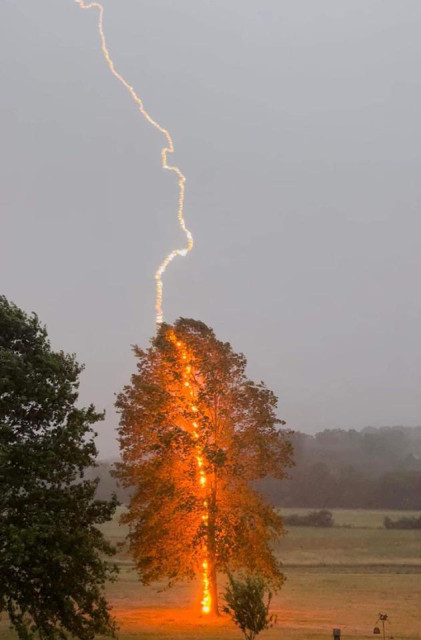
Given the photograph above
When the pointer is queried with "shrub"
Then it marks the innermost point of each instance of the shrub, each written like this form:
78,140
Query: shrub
246,605
322,518
402,523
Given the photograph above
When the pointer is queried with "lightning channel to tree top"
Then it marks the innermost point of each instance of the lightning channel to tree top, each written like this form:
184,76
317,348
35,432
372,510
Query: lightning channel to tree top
168,148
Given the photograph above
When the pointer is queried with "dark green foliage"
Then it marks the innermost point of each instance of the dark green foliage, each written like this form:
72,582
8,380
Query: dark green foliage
321,518
245,599
51,552
402,523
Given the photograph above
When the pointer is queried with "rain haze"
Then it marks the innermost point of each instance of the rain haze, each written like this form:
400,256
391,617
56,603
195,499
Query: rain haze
297,126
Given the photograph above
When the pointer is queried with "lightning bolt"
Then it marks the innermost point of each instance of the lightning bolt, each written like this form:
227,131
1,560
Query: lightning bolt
168,148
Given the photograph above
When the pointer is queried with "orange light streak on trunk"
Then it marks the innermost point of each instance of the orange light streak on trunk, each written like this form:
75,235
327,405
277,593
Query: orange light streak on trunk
206,601
169,148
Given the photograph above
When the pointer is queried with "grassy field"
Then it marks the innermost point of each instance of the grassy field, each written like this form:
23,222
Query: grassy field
340,577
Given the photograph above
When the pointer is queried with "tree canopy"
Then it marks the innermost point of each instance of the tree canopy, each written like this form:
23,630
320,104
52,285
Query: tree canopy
195,434
51,551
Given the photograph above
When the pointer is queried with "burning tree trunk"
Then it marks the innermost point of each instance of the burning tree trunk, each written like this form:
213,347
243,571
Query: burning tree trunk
213,585
212,550
195,434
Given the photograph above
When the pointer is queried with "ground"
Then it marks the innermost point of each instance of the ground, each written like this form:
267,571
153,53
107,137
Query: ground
340,577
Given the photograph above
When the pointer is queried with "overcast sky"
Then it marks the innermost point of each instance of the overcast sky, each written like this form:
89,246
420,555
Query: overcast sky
297,124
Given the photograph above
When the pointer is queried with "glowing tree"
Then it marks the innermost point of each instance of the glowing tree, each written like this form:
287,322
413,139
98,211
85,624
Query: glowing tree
195,434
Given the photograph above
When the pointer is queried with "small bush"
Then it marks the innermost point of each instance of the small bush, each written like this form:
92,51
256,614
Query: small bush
321,518
246,605
402,523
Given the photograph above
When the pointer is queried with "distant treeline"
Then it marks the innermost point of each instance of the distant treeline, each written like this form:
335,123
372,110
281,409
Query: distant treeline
368,469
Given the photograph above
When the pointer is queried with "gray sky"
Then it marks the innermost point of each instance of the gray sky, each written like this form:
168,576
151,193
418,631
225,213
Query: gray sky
298,127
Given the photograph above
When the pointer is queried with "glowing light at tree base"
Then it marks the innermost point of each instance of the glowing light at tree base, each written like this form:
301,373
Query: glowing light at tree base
168,148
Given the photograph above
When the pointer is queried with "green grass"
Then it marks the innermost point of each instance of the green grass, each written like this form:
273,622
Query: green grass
339,577
351,548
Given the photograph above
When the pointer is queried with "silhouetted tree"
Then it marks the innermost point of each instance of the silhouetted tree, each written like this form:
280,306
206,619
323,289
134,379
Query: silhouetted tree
52,571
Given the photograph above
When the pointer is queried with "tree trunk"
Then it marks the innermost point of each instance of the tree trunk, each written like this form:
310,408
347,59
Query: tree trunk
213,584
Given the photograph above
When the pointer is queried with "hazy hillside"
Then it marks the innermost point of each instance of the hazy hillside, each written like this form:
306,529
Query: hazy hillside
372,468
